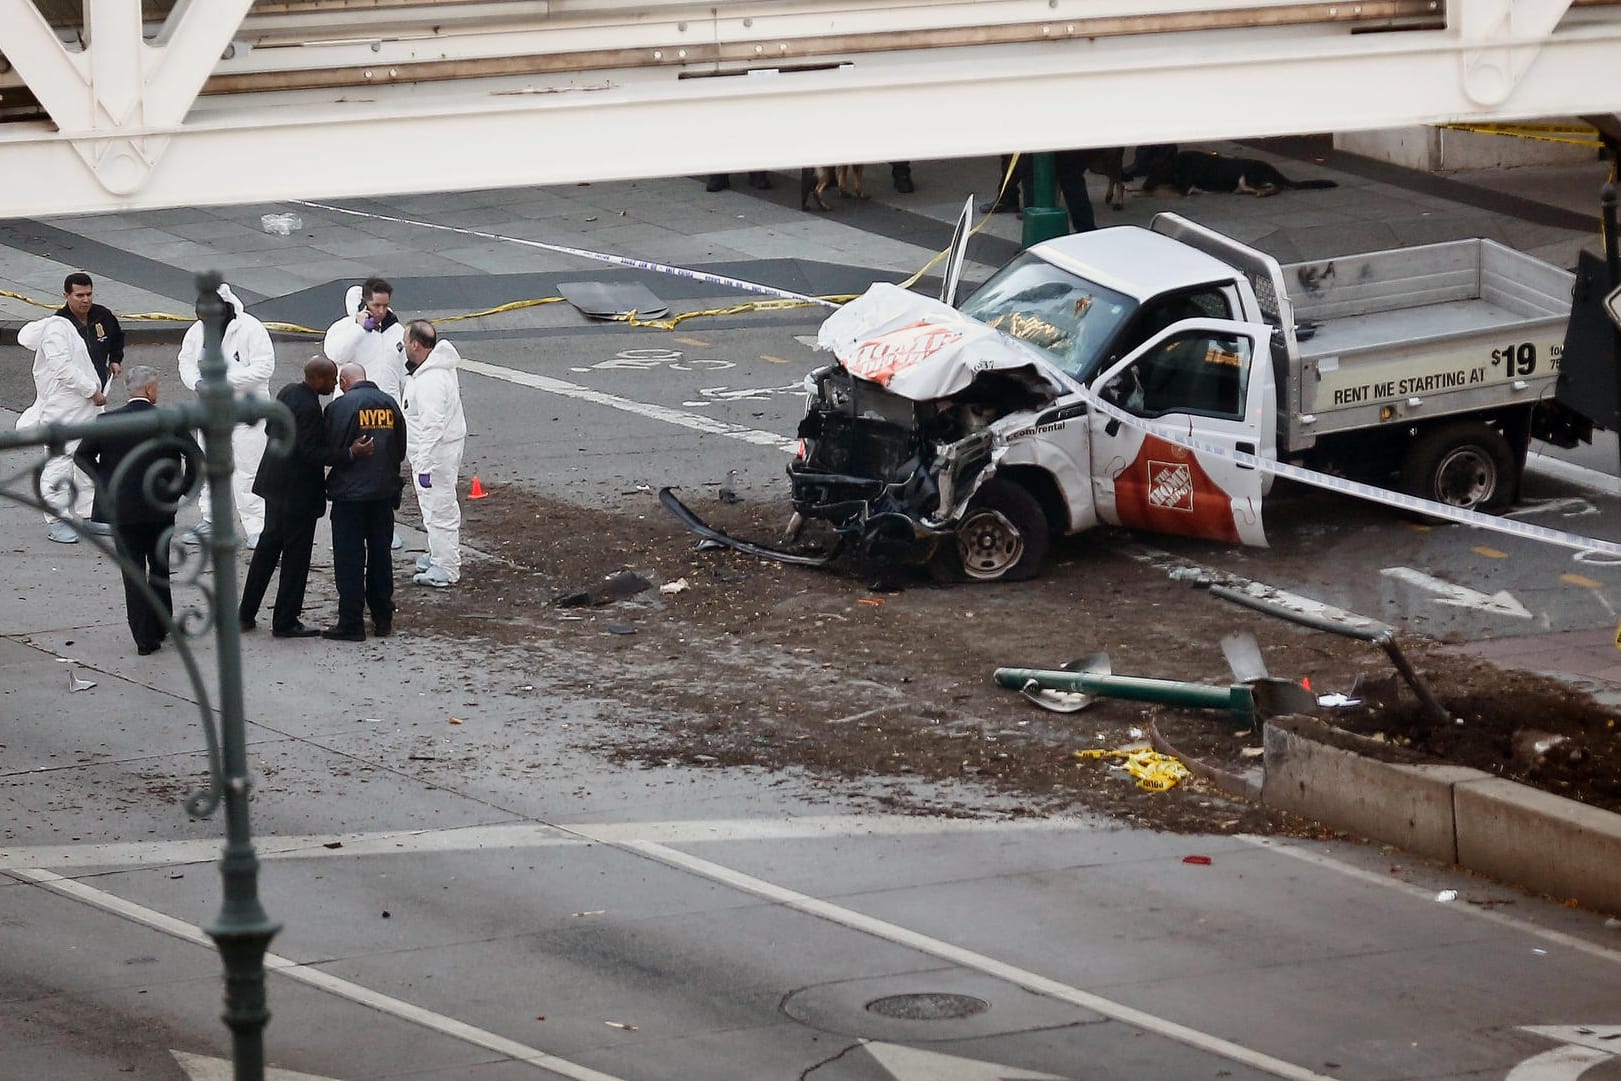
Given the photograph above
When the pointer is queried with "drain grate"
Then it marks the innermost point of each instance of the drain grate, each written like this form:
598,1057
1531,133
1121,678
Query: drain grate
928,1006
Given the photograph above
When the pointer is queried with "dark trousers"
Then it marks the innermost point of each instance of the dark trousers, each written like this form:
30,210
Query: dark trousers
287,539
1070,167
362,562
143,545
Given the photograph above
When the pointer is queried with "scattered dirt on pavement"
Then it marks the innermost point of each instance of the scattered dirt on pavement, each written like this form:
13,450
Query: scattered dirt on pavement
881,684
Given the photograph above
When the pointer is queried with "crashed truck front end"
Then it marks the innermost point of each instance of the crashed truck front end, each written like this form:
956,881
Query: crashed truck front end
901,432
884,471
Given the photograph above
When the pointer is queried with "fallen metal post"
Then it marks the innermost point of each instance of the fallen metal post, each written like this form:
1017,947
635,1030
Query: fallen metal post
1238,699
1382,637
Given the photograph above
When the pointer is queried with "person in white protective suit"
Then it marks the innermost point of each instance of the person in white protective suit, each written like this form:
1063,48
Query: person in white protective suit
67,390
372,336
435,436
250,361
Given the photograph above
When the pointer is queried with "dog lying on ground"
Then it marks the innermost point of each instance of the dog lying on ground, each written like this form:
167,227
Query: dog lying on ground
813,181
1205,170
1109,163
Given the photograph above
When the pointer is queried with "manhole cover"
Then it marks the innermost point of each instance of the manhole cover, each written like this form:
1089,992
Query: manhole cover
928,1006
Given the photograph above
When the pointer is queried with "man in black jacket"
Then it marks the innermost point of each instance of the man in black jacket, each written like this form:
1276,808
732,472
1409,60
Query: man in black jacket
294,491
96,325
142,526
364,493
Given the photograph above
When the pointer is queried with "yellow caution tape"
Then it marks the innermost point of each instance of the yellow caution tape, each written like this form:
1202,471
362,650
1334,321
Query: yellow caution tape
1545,133
1155,772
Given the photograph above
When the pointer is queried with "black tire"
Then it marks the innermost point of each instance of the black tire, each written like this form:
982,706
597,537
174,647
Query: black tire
1465,464
1002,537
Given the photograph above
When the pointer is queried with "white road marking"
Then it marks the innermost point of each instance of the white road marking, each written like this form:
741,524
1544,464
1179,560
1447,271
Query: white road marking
209,1068
1427,895
1501,603
514,835
915,1064
694,421
1606,1038
1560,1064
324,981
1030,981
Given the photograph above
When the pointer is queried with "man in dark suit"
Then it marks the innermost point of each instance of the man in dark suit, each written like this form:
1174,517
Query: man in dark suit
142,525
294,491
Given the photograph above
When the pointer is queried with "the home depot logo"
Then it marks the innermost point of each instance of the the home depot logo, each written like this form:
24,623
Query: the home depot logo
1170,485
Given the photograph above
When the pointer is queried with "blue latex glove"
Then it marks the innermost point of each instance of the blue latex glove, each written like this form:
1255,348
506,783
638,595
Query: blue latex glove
424,480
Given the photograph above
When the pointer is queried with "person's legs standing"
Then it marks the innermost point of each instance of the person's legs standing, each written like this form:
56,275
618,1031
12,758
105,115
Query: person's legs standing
349,564
248,447
68,490
297,541
1070,165
263,563
137,544
442,513
379,525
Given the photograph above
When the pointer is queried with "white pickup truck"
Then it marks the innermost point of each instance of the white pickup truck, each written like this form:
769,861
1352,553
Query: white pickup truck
963,437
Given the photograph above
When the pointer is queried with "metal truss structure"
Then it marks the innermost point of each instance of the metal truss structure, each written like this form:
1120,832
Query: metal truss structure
120,104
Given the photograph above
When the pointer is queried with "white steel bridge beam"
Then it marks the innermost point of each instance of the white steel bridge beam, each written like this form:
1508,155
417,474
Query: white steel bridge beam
591,90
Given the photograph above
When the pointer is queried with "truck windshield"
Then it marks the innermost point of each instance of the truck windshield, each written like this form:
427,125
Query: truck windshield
1068,316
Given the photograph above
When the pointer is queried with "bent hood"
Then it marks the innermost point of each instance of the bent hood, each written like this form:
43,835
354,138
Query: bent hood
351,300
922,349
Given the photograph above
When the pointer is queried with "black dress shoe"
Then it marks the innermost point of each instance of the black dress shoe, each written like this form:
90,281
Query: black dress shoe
297,630
148,648
904,185
343,634
246,624
382,628
1004,207
760,180
718,182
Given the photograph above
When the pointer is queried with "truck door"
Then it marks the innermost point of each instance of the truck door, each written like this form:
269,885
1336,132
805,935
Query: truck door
1205,378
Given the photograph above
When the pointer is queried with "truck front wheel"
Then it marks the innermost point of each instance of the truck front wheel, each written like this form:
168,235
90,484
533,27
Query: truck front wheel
1003,536
1465,464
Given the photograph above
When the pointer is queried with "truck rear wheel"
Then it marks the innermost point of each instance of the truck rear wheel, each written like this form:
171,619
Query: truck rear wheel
1466,464
1003,536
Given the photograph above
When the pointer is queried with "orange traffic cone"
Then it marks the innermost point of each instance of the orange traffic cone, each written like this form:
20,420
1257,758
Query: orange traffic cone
477,490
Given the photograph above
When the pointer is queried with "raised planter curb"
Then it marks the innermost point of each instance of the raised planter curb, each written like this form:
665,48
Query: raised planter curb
1509,831
1554,845
1349,788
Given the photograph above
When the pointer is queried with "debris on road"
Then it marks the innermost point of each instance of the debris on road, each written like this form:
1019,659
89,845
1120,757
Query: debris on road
615,587
77,684
1202,861
1155,772
677,586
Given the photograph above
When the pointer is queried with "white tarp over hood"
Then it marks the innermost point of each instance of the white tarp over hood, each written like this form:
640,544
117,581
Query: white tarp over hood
922,349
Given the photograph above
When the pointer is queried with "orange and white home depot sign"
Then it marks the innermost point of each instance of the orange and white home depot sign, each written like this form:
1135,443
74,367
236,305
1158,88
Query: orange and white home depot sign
881,359
1166,490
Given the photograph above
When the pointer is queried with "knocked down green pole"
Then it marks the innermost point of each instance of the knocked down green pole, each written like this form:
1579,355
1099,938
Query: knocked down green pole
1238,699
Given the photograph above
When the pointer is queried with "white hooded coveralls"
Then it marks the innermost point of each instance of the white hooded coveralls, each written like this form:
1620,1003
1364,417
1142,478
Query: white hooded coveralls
250,361
65,386
435,436
380,352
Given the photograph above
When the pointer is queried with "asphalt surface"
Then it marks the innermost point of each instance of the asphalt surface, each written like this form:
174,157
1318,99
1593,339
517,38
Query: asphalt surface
467,891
